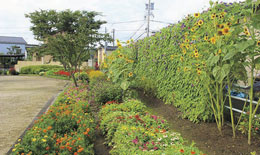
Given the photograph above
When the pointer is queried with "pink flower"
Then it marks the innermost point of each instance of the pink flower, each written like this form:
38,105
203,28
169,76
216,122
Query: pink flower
135,141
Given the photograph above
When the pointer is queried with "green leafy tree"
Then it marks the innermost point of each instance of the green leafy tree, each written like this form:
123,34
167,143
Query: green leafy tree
68,36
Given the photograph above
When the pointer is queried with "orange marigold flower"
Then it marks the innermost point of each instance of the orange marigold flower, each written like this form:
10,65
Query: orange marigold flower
80,150
75,153
49,128
44,130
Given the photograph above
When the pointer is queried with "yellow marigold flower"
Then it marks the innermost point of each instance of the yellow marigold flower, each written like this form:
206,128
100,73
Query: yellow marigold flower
44,140
19,140
34,139
200,22
45,136
213,40
14,150
197,15
258,43
130,74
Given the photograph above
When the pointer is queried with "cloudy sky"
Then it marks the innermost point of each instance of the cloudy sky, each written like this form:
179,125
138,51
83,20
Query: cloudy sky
125,16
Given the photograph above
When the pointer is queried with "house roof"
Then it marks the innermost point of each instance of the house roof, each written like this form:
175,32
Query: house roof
109,48
12,40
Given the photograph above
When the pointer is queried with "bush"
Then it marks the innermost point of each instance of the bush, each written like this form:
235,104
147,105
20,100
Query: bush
95,74
39,68
82,76
104,91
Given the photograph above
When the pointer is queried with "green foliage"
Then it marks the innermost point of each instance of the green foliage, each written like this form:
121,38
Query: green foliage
182,61
104,91
69,36
83,76
66,128
130,129
39,68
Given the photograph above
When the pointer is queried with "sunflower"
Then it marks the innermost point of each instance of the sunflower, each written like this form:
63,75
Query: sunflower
196,55
196,51
182,58
200,22
220,33
198,71
120,55
206,38
130,74
229,24
188,46
219,51
247,33
258,43
197,15
213,16
245,29
213,40
128,41
184,51
225,30
187,41
192,29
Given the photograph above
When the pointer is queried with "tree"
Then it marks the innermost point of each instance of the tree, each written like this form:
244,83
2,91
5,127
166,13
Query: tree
68,36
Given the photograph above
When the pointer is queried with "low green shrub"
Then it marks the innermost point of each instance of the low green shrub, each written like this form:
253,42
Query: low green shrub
38,68
104,91
83,76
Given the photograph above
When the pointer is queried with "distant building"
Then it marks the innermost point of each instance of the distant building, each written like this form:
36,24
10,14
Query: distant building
101,53
9,43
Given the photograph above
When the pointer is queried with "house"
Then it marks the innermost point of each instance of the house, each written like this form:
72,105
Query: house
12,46
102,52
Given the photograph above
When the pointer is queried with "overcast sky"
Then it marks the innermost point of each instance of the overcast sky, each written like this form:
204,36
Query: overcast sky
14,23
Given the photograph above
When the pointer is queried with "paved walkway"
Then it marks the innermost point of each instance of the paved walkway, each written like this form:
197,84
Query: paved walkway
21,99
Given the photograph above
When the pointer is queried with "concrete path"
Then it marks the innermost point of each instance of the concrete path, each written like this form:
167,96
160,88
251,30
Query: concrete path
21,99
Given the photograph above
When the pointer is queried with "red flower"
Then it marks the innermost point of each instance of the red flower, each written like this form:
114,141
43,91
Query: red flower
181,150
192,152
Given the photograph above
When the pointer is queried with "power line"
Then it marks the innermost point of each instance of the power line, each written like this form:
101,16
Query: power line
161,22
140,36
137,30
133,21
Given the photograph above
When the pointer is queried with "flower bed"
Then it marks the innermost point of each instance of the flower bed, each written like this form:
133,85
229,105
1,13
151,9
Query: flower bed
130,129
67,128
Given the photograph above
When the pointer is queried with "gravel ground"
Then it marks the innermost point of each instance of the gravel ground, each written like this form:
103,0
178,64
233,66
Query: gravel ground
21,99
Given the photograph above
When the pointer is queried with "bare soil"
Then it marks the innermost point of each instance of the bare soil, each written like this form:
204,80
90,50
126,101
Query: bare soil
205,135
21,99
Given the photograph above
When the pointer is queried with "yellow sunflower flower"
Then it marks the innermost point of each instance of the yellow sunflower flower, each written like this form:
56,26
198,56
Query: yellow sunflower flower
130,74
197,15
200,22
226,30
213,40
258,43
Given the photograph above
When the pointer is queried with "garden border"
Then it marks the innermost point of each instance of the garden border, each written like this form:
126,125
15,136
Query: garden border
43,110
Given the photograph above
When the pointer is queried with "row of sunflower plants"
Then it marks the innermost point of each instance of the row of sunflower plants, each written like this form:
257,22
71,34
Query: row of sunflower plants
189,64
68,127
130,129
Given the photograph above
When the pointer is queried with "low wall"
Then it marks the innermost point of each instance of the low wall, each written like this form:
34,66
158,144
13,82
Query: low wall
21,64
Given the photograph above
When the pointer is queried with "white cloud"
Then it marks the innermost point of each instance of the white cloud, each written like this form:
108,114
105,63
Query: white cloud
14,23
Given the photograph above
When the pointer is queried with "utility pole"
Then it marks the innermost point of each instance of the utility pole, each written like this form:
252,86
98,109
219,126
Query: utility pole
113,31
105,42
148,22
149,8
